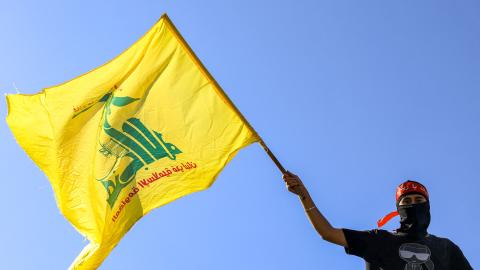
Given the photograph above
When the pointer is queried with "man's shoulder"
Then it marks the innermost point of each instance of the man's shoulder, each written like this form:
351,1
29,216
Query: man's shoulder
378,232
440,240
433,236
394,233
385,233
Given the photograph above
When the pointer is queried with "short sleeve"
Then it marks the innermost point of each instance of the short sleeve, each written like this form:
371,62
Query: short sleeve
369,245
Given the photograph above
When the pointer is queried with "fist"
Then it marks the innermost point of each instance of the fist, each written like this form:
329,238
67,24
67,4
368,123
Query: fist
294,184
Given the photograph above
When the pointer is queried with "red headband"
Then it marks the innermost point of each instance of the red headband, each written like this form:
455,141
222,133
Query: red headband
411,187
405,188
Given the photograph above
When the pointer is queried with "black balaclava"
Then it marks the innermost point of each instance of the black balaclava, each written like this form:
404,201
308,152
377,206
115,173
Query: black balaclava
414,219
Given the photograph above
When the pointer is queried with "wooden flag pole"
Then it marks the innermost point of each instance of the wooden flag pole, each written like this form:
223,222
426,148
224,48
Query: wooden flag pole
272,156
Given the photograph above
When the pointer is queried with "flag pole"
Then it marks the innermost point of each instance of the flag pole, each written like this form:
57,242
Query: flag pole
221,92
272,156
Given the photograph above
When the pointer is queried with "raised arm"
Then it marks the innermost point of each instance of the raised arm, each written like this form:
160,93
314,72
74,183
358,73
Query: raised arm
319,222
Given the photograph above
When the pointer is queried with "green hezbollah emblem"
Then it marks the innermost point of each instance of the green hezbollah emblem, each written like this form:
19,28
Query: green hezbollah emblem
131,148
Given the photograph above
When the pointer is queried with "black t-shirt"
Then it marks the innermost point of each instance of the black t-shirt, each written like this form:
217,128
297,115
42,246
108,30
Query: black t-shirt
391,251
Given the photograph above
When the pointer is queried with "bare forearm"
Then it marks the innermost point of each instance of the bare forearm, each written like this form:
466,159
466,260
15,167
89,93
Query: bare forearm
320,223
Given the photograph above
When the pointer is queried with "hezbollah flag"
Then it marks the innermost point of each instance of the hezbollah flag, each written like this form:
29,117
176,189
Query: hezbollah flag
146,128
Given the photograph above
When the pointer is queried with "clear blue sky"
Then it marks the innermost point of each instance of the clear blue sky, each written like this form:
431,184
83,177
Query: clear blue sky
354,96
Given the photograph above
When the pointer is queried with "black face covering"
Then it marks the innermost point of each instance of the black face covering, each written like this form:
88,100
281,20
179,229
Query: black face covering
414,219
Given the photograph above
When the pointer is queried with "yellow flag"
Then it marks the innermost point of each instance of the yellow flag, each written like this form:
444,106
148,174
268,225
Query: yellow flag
144,129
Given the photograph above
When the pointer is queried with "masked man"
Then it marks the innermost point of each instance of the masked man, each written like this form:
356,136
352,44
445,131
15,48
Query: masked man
410,247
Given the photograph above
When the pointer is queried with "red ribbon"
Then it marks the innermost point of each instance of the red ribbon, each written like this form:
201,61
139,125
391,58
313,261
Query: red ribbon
386,218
